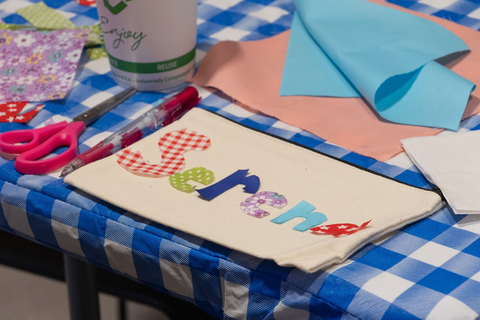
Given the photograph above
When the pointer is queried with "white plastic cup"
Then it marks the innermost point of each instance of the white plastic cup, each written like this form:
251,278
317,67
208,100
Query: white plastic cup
150,43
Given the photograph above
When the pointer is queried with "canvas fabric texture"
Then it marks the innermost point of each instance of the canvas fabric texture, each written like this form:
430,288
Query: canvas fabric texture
344,193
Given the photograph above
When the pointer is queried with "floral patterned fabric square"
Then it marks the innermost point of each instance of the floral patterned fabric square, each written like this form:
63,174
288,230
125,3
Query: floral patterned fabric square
38,65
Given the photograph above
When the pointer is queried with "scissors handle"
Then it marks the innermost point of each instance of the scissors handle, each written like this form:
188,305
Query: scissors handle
28,163
19,141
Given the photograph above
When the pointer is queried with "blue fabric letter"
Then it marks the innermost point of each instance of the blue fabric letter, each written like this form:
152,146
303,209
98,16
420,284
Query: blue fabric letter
302,210
252,183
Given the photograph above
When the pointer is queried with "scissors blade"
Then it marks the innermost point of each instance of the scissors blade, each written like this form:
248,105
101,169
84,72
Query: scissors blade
99,110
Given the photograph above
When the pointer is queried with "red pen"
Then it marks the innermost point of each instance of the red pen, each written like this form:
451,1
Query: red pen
159,116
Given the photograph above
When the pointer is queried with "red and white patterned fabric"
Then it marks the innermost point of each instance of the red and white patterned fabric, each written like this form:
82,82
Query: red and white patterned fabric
25,117
9,112
339,229
172,146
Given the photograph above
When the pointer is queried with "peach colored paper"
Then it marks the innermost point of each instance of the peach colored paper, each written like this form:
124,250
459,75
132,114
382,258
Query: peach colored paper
251,72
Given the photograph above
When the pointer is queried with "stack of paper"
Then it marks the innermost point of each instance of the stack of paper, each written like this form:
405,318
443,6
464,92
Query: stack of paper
452,163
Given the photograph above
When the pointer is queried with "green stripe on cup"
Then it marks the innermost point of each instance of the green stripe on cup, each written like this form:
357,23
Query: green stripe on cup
152,67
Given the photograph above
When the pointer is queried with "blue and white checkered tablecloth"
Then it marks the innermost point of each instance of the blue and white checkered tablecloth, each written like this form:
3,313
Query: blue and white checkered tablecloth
428,270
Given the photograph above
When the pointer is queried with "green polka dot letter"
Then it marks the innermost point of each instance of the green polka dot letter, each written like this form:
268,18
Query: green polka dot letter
200,174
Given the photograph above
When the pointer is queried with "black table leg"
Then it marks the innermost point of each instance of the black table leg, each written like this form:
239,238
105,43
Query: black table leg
82,289
122,309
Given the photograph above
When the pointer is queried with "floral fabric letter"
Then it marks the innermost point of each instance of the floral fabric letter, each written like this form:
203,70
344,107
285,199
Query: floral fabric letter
251,205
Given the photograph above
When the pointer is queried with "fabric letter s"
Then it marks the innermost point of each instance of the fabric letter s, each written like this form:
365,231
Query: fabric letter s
172,146
302,210
252,183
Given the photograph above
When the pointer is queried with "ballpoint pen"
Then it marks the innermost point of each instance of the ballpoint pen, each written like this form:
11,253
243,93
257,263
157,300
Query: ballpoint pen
161,115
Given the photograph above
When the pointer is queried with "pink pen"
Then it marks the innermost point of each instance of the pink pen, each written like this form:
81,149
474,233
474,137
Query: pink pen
159,116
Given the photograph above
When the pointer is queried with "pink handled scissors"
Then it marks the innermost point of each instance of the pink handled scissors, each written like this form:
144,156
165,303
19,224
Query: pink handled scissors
32,145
